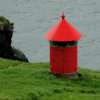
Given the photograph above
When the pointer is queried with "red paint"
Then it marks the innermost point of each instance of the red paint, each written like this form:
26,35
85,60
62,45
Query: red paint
63,31
63,60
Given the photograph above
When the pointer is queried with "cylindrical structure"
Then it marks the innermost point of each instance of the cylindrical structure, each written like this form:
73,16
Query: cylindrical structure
63,57
63,39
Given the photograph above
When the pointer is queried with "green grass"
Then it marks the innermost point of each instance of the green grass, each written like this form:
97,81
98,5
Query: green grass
27,81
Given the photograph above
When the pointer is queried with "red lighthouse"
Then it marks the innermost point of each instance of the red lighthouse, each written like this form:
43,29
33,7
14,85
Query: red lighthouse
63,47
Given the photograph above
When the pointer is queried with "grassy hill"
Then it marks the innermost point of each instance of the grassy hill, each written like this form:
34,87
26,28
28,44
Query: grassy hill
27,81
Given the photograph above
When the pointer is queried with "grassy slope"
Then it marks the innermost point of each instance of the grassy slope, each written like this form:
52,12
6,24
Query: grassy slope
26,81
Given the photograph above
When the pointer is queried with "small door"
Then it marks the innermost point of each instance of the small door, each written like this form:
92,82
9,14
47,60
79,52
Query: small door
57,60
70,60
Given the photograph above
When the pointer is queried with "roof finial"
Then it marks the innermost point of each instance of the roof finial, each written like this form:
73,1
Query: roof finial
63,16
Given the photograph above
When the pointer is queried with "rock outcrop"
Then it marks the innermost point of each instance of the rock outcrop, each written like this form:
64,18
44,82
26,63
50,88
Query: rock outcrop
6,50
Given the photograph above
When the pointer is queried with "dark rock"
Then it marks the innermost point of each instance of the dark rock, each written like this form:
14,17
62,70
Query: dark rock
18,54
6,50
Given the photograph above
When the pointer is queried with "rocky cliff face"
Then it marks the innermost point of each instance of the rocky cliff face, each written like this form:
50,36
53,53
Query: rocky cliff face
6,50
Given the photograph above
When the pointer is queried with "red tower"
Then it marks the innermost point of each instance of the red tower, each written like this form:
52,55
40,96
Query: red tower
63,47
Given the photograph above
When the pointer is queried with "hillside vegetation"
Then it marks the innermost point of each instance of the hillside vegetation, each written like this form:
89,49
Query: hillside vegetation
32,81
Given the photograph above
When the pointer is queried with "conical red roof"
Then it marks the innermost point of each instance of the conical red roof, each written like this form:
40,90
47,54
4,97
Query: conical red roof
63,31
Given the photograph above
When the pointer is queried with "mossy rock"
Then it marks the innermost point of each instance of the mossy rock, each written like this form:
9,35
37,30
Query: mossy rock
6,50
5,25
2,18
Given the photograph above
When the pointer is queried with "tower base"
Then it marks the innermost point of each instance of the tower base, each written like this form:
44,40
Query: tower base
69,76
